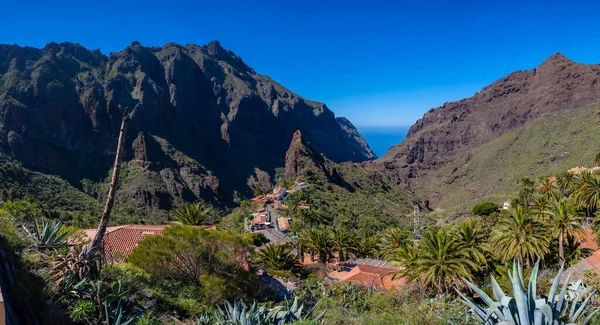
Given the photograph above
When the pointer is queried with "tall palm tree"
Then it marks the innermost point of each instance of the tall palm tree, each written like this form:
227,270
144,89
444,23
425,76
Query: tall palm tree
276,257
539,205
547,189
343,242
587,193
472,236
318,242
521,237
194,214
565,182
442,261
392,239
565,221
526,191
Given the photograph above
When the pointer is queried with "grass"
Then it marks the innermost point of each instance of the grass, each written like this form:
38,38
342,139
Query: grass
545,146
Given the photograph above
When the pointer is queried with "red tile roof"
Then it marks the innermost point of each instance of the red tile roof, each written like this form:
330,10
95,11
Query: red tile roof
373,276
589,240
120,241
259,219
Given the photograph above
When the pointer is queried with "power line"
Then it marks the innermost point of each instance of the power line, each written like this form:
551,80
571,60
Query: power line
537,24
498,46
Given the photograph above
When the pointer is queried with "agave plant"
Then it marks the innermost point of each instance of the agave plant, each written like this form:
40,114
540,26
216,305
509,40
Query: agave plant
524,308
240,314
281,315
47,234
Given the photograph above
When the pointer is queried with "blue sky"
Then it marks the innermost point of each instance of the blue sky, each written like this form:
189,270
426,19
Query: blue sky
379,63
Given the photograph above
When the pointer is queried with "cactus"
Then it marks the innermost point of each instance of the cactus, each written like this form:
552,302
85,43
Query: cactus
523,308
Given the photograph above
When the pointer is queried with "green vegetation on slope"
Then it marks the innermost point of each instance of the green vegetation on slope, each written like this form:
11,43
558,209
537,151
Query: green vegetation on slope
545,146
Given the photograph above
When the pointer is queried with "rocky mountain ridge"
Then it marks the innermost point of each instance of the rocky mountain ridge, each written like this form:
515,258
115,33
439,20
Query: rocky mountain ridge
439,147
202,121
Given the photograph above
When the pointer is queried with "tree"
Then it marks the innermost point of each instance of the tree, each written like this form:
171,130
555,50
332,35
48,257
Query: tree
472,236
368,246
565,221
565,182
526,191
484,209
194,214
392,239
343,242
442,261
318,242
547,189
276,257
596,160
89,250
213,259
587,193
520,237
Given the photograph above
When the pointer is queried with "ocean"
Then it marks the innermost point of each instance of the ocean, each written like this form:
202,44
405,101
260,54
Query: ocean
380,139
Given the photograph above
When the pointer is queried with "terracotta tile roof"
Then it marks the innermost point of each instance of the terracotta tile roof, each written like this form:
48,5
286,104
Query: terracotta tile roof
120,241
259,219
373,276
589,240
283,223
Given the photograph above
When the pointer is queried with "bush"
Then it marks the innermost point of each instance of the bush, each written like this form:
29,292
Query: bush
484,209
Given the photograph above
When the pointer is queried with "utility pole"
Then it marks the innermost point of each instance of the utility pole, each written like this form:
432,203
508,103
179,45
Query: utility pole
416,225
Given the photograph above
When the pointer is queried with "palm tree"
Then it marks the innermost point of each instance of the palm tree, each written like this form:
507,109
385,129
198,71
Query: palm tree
472,236
565,221
392,239
521,237
539,205
587,193
318,242
276,257
343,242
565,182
367,246
194,214
597,159
526,191
547,189
442,261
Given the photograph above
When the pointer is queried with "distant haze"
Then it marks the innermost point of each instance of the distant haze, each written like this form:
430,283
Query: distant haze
380,139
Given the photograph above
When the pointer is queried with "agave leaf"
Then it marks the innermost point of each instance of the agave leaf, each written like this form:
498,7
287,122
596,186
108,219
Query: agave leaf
555,284
476,308
561,299
582,306
531,292
546,310
498,293
589,317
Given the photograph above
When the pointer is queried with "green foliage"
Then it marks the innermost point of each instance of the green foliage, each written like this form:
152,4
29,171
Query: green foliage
84,310
194,214
524,307
276,257
521,237
47,234
22,210
197,256
484,208
442,261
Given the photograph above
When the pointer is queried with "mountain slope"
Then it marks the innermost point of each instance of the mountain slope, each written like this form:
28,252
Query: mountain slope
464,151
201,120
349,195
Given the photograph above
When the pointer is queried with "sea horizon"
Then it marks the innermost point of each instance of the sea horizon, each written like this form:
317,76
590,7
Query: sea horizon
382,138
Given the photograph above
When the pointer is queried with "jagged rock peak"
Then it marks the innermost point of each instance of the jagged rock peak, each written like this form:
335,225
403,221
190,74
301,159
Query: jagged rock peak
214,48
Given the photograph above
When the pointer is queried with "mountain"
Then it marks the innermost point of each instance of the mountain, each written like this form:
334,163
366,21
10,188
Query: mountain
529,123
202,121
350,195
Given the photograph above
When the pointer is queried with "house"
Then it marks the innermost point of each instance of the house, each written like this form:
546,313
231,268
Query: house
259,219
375,277
506,205
283,223
279,193
120,241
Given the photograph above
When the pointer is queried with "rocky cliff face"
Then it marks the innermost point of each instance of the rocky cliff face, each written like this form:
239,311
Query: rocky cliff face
201,119
447,136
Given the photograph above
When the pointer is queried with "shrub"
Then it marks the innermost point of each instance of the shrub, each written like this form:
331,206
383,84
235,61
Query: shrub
485,208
